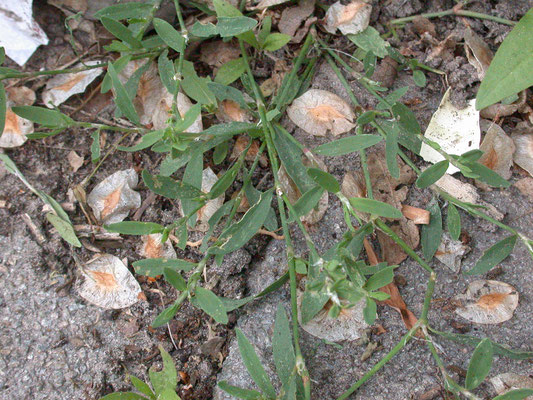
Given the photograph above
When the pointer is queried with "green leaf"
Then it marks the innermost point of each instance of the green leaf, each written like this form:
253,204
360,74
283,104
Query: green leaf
229,129
282,348
147,140
122,99
312,303
375,207
211,304
325,180
392,98
2,55
347,145
168,394
225,9
406,119
195,87
167,377
125,11
233,26
170,36
510,69
167,72
241,232
169,188
3,107
135,228
308,201
432,174
224,92
431,234
370,311
156,266
517,394
43,116
166,315
391,152
230,71
480,364
487,175
366,118
220,186
370,40
123,396
419,78
276,41
121,32
266,27
95,146
406,139
240,393
175,279
454,222
64,228
253,365
189,118
193,176
493,256
142,387
220,152
203,30
380,279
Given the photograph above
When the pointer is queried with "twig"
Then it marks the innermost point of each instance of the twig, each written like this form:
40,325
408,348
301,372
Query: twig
36,232
453,11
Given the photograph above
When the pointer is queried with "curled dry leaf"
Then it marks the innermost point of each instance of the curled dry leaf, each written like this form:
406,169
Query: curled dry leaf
208,180
293,193
61,87
456,131
267,3
451,252
74,160
318,111
349,324
240,145
229,111
523,155
293,17
113,198
418,215
350,19
443,50
106,282
466,193
525,185
217,53
500,110
477,52
389,190
153,248
497,148
16,128
488,302
504,383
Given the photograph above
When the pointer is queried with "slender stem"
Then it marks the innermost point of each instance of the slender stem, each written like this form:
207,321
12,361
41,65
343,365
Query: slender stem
462,13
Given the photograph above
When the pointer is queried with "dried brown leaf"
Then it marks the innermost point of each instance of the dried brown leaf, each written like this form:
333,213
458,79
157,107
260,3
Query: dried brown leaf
349,19
153,248
293,17
451,252
74,160
498,149
477,52
506,382
523,155
16,128
525,185
415,214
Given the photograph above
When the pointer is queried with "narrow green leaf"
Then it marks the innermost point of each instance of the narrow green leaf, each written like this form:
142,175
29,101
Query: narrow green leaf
392,98
203,30
380,279
366,118
166,315
224,92
142,387
370,40
175,279
419,78
167,72
431,234
276,41
516,394
123,396
487,175
370,311
225,9
170,36
375,207
121,32
493,256
64,228
122,99
169,188
282,347
266,27
406,119
119,66
167,377
3,108
195,87
193,176
347,145
135,228
125,11
312,303
211,304
156,266
147,140
308,201
220,152
229,129
95,146
480,364
510,69
432,174
230,71
325,180
391,152
253,365
220,186
454,222
233,26
43,116
189,118
240,393
2,55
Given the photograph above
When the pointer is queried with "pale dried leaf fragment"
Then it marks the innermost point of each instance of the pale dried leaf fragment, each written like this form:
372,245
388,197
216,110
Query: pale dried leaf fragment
523,155
319,111
267,3
16,128
217,53
293,17
240,145
506,382
61,87
500,110
113,198
106,282
487,302
349,19
229,111
451,252
456,131
152,247
478,52
163,111
418,215
497,148
349,324
74,160
209,178
293,193
525,185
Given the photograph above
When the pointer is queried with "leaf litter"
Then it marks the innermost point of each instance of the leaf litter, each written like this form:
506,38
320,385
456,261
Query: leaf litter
153,247
16,128
508,381
349,19
497,148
